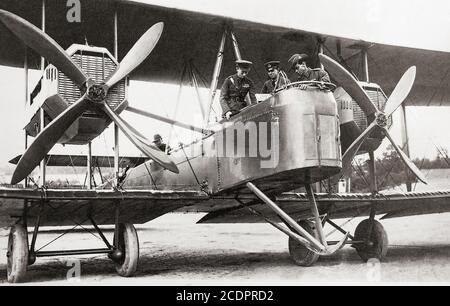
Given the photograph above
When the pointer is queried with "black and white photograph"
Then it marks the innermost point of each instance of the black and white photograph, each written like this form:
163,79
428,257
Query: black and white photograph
200,145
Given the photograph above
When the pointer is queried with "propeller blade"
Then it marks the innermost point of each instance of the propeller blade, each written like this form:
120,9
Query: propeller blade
44,45
349,83
46,139
408,162
140,141
137,54
401,91
354,148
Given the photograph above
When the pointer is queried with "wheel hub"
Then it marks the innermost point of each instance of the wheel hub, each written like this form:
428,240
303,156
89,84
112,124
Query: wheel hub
117,255
369,244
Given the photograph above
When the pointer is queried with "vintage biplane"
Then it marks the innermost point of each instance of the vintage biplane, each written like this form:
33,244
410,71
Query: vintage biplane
83,90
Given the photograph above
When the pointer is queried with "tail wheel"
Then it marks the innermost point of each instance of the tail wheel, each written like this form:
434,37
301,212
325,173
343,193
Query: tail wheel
129,246
17,254
298,252
377,246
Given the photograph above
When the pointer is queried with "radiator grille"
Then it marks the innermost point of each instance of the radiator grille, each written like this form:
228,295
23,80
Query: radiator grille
378,98
97,66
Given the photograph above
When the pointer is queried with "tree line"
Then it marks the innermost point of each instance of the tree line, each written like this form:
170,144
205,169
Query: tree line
390,170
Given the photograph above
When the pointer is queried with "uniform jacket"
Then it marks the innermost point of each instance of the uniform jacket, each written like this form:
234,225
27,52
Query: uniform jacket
269,85
233,93
315,75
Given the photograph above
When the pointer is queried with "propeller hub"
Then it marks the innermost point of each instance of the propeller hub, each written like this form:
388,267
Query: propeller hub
381,119
97,93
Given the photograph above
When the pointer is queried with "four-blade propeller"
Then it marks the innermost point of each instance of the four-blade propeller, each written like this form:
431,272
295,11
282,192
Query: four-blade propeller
95,94
351,85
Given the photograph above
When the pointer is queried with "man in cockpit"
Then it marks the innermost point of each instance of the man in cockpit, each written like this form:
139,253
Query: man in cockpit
277,78
235,89
300,64
157,140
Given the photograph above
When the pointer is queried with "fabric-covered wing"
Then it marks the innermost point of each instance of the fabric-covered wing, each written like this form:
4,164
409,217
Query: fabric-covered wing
187,36
72,207
339,206
195,37
388,63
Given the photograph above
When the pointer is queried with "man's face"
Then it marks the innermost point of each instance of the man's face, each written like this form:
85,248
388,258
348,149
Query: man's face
158,141
301,68
273,73
242,72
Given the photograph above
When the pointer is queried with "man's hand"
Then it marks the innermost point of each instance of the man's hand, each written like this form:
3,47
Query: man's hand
228,115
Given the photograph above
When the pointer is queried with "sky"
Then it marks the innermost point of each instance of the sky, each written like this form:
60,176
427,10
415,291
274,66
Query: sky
408,23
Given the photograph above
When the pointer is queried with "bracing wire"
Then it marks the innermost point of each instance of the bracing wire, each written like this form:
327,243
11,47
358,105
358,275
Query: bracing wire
180,89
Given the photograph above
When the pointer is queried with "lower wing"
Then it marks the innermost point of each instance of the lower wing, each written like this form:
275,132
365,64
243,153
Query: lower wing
338,206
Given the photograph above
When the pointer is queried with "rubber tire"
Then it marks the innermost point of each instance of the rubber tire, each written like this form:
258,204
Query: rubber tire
299,253
129,245
17,254
378,237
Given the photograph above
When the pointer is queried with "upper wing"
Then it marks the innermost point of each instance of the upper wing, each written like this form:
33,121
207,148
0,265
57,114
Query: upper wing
194,36
388,63
340,206
72,207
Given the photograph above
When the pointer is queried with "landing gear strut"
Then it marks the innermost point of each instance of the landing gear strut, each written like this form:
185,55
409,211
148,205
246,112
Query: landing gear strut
306,242
370,231
124,252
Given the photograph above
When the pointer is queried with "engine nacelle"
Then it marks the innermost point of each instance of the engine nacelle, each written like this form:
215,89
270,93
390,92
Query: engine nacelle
55,92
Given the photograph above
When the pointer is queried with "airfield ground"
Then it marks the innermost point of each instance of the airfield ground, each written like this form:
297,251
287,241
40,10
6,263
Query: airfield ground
176,251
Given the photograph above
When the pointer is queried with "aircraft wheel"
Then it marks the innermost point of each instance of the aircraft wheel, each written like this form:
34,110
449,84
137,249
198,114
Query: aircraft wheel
378,244
299,253
128,244
17,254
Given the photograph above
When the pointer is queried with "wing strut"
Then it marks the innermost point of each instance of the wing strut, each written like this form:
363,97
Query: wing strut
215,77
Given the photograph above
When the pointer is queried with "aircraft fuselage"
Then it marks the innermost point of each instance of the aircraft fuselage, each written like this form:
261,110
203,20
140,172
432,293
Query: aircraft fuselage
289,140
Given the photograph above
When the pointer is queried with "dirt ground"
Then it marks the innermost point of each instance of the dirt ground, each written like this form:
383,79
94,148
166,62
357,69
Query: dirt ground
176,251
